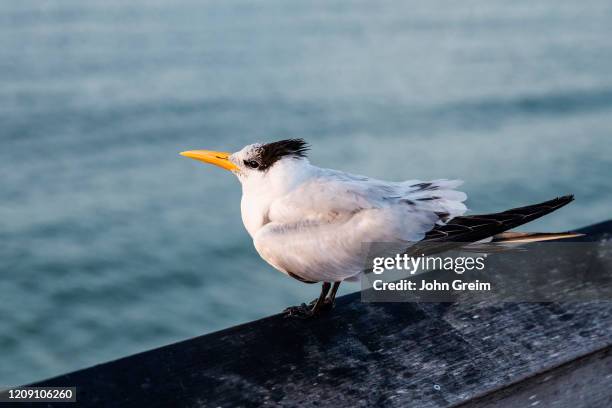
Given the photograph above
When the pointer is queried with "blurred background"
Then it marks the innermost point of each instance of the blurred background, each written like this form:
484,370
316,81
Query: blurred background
111,243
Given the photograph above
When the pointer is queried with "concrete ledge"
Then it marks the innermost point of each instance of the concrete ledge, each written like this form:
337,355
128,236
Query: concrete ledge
393,354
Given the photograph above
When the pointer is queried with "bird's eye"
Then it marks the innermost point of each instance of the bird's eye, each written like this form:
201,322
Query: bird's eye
251,163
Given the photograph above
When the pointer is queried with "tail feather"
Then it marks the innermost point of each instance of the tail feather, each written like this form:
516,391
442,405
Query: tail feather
513,241
511,237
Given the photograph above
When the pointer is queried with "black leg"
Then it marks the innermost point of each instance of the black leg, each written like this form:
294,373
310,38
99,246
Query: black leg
305,311
324,290
332,295
329,302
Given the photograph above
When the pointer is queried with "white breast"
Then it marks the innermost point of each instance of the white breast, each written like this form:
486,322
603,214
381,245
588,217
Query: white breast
253,212
259,191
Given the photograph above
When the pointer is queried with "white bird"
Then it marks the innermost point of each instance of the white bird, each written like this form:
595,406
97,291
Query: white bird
311,223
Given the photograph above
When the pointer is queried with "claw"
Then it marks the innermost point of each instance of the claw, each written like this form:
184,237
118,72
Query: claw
322,304
302,311
307,311
326,306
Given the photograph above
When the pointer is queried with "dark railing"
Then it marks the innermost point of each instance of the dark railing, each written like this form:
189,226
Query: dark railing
377,354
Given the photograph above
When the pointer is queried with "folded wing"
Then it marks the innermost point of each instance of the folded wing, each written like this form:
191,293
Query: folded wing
317,232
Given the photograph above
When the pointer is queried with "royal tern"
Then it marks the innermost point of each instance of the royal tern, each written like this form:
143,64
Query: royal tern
311,223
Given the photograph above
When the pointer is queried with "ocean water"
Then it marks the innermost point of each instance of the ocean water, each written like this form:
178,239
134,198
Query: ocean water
111,243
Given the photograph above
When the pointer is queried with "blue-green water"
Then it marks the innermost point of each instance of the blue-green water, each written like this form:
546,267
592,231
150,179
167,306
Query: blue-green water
111,243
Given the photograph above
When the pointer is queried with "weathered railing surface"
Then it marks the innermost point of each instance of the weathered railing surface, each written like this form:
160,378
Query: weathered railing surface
386,354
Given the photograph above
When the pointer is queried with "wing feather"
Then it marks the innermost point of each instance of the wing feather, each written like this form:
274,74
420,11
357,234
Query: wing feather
318,230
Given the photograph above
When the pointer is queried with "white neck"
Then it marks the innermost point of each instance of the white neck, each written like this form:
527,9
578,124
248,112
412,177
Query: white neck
260,189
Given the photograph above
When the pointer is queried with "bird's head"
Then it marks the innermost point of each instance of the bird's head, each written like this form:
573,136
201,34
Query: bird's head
255,162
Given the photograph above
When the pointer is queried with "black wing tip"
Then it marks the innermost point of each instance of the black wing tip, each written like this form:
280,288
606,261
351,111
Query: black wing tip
563,200
551,205
476,227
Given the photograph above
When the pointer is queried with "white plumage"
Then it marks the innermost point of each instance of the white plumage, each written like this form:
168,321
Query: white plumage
313,222
316,224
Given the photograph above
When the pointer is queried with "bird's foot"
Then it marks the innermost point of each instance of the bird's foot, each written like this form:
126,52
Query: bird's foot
302,311
306,311
326,306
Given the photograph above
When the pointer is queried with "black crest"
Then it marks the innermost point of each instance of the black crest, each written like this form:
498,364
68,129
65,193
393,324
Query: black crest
270,153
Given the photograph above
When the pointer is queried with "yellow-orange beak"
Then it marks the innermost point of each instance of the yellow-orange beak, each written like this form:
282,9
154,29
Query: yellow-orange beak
220,159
